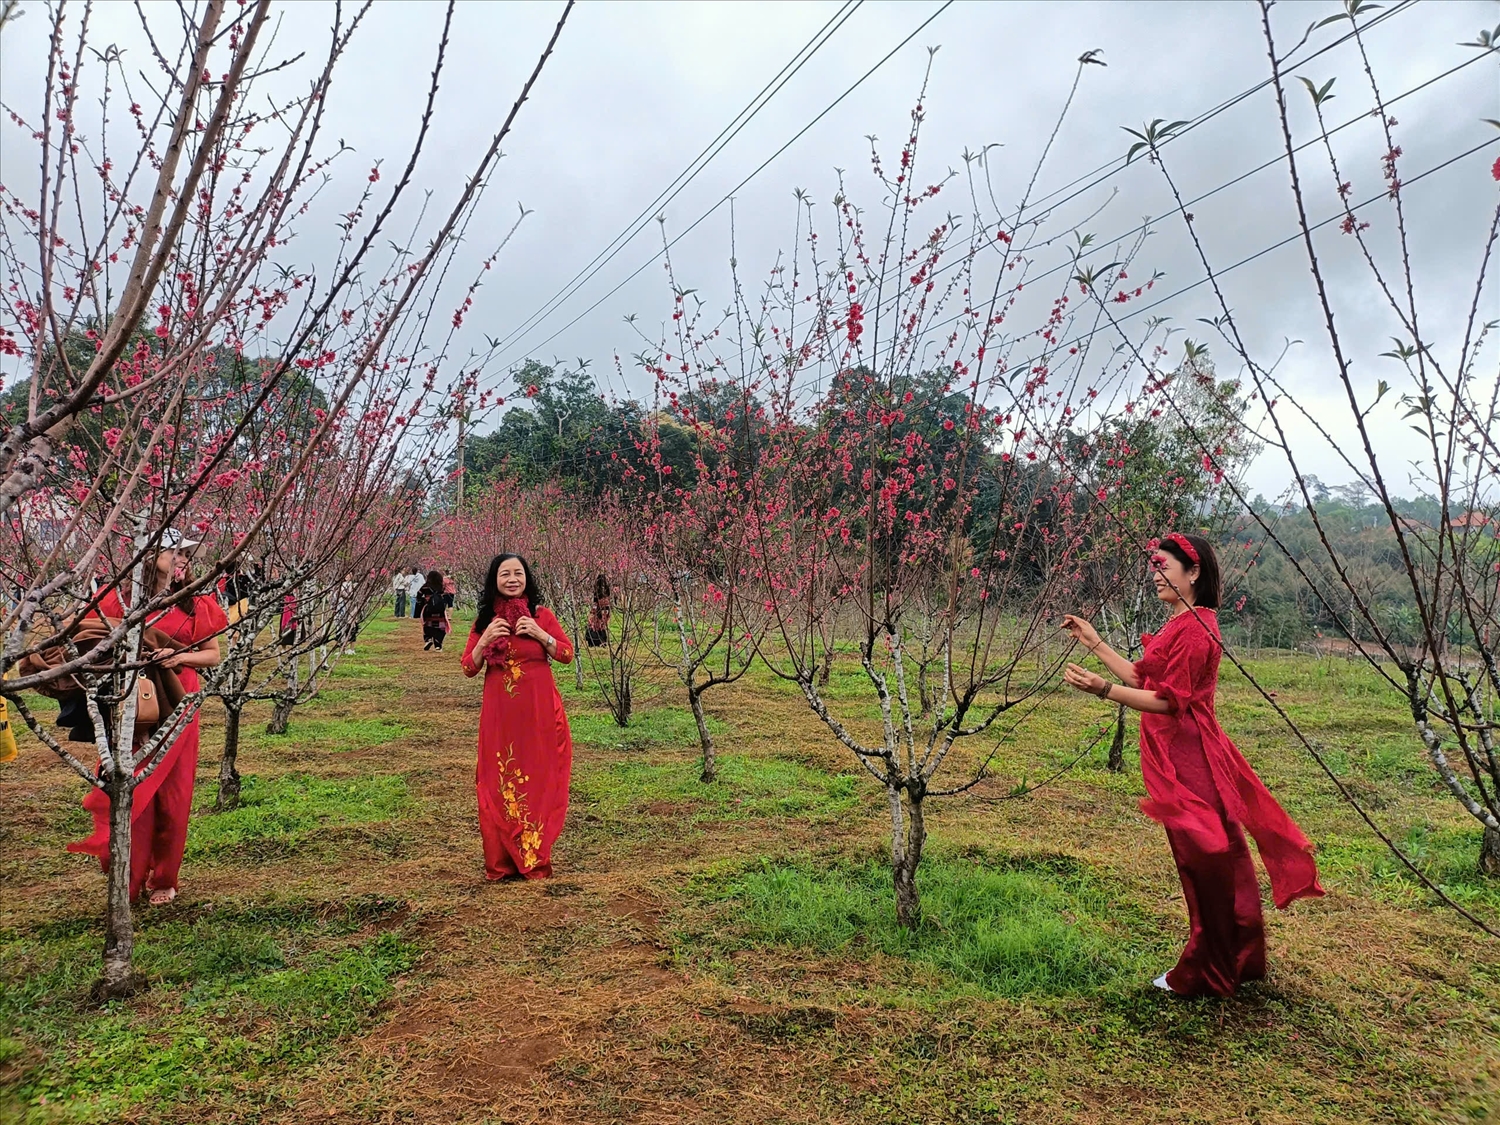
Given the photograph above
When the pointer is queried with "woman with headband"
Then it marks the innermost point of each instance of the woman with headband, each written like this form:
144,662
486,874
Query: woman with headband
1199,786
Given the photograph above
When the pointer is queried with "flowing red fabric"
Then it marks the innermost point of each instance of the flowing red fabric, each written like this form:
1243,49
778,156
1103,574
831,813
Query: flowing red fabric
1202,790
163,802
525,750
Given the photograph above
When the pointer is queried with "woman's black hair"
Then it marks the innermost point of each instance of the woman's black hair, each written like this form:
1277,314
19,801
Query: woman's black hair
1206,589
491,591
601,588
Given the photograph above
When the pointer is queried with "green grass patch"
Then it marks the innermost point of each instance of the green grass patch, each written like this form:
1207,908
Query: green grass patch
660,726
279,816
236,995
1448,856
338,736
382,623
746,787
1011,926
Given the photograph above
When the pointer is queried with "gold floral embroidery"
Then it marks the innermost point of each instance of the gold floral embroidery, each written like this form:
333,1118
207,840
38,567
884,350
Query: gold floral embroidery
514,804
509,666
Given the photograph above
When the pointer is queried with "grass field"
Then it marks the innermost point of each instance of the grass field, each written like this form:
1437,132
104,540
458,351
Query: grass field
728,952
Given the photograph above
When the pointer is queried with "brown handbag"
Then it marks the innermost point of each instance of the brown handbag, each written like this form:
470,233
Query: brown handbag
147,702
161,684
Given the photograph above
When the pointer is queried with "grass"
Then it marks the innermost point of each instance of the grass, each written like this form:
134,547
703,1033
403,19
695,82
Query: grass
727,953
334,735
283,815
747,787
238,995
1007,926
656,726
1445,854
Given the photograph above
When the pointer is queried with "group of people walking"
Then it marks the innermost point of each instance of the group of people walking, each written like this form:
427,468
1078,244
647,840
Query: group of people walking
1199,786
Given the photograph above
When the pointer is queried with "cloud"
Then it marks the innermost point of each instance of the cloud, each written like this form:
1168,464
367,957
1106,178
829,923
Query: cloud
636,91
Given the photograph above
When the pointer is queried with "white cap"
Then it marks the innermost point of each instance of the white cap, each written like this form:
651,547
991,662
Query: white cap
174,540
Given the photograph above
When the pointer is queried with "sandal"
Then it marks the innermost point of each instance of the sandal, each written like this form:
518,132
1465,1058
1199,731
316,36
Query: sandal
162,896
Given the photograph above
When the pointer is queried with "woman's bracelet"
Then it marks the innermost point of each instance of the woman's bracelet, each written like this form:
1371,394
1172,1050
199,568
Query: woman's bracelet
1103,693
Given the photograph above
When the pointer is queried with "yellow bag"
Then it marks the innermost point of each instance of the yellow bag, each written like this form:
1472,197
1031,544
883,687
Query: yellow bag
8,749
237,611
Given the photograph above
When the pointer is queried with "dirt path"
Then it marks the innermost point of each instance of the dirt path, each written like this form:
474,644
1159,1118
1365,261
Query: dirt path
523,983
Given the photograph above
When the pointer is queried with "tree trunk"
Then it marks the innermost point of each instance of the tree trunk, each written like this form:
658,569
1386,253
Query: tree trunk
578,631
710,762
825,670
619,702
229,776
119,977
1489,852
281,715
1117,747
908,834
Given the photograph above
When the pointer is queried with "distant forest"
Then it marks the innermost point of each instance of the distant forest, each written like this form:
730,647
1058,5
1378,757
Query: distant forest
566,432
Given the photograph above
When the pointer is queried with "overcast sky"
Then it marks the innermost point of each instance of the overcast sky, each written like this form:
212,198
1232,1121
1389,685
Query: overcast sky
635,91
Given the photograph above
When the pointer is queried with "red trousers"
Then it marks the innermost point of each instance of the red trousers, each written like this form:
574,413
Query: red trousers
1226,928
158,819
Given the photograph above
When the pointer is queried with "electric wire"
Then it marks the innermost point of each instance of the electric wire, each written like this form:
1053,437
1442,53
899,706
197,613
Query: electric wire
760,168
1090,180
690,172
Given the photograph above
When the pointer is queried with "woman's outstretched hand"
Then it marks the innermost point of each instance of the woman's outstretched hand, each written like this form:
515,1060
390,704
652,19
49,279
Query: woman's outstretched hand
1081,631
1079,677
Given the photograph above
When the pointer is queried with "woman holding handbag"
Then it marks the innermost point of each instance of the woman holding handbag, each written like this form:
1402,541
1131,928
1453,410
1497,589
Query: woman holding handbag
525,747
163,801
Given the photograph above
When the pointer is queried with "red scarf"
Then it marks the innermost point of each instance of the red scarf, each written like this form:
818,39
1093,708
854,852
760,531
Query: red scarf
509,610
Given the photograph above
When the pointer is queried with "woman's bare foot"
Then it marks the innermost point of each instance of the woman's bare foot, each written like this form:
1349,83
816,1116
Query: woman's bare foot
162,896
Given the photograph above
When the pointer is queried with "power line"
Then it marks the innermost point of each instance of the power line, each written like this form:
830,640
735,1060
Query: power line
1104,245
1116,165
762,167
689,173
1293,237
1089,180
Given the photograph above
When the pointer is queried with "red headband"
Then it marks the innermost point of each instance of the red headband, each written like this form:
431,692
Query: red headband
1187,548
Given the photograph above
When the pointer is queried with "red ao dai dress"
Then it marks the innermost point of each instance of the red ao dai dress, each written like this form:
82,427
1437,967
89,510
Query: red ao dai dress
525,751
163,802
1203,791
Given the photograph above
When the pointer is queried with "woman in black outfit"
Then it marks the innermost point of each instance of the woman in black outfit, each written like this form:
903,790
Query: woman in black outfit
432,608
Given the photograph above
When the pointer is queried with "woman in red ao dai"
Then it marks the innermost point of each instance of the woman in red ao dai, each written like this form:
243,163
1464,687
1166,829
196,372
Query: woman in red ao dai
164,800
1198,785
525,747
